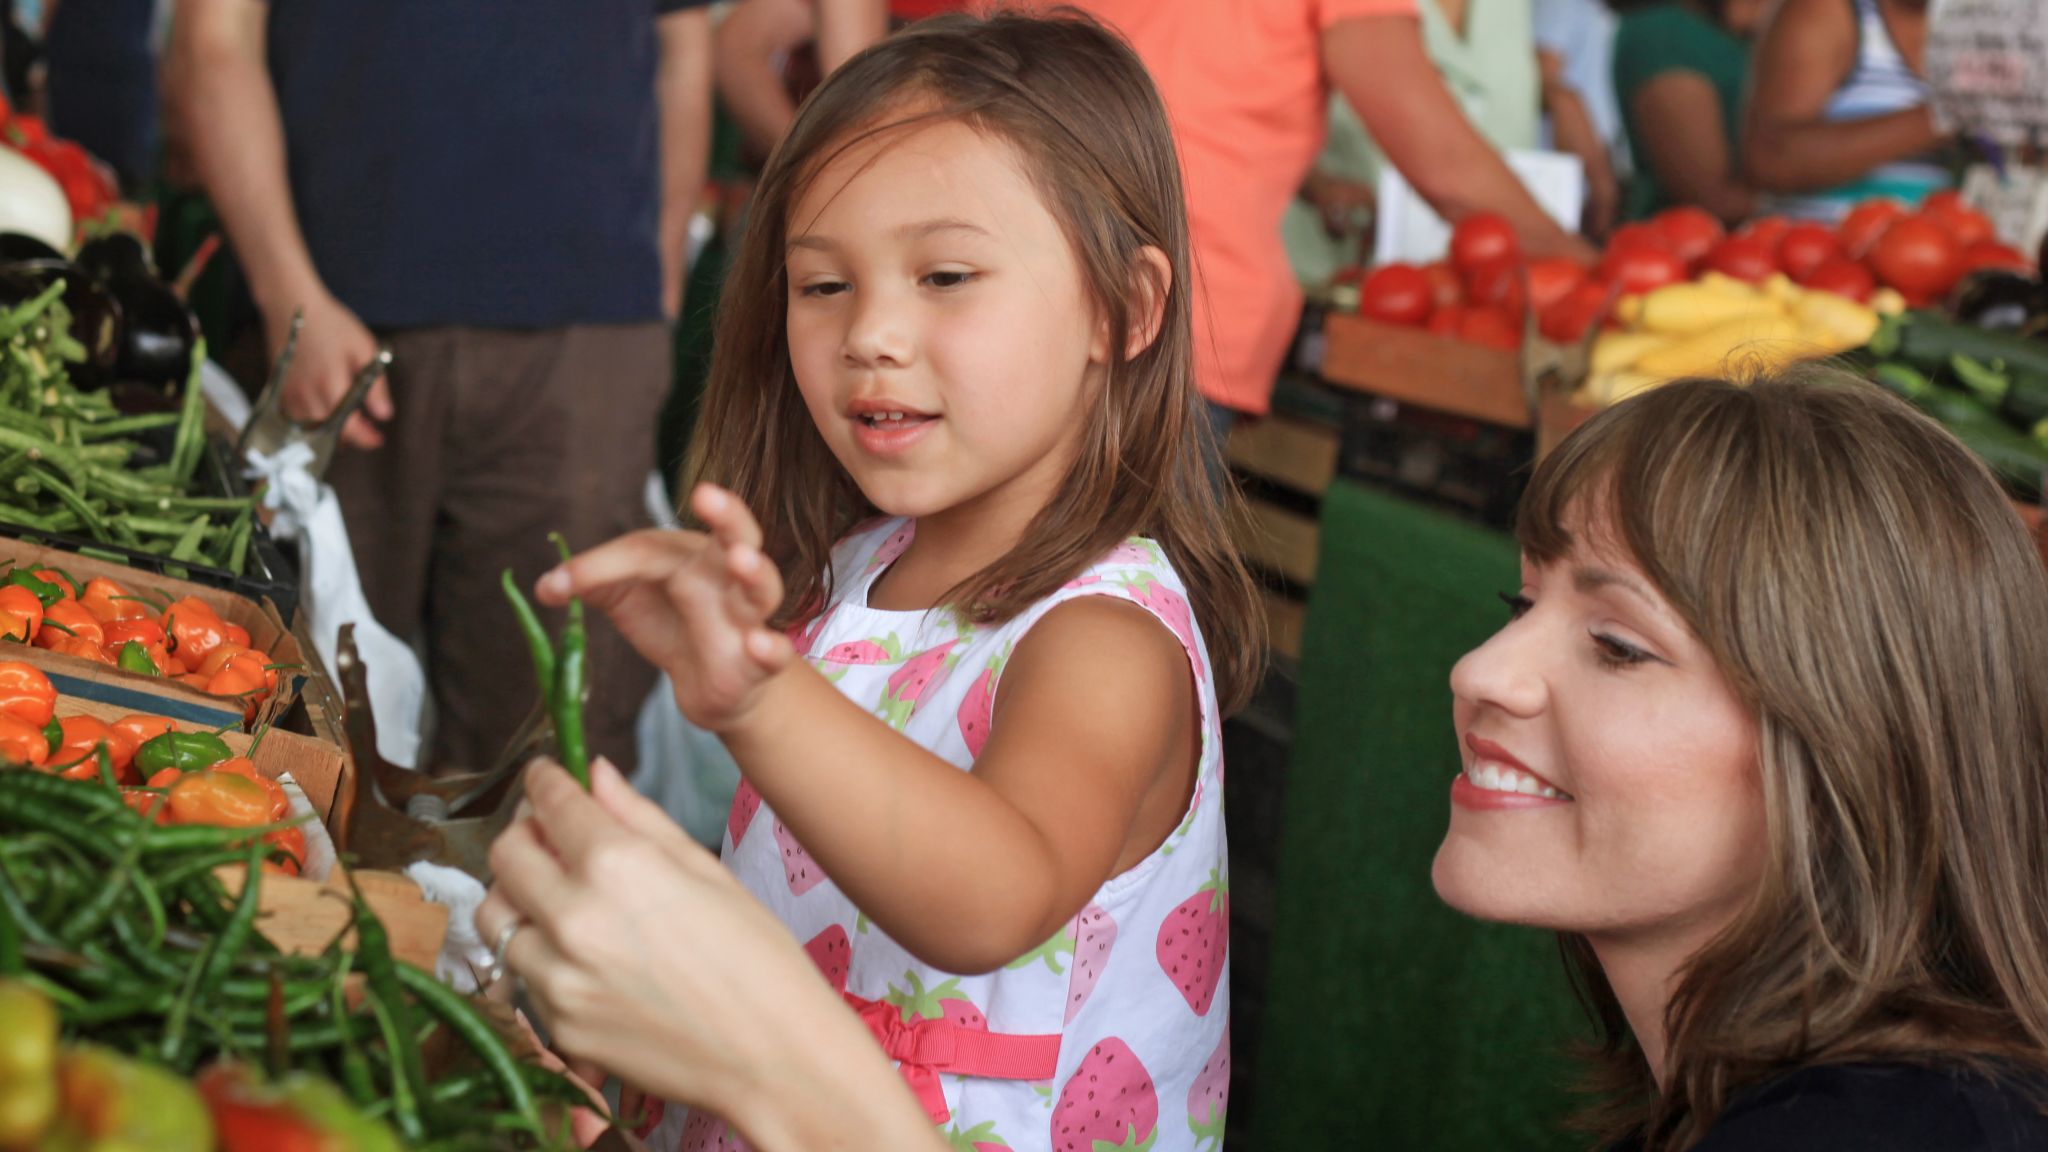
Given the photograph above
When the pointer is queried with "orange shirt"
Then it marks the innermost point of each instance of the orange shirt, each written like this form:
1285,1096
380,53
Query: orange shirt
1243,82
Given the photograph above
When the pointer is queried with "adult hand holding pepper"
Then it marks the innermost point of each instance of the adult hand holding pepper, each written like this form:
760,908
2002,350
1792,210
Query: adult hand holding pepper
644,955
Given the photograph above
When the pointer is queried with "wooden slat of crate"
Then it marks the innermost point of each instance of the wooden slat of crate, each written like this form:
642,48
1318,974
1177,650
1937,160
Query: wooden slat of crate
1416,367
1280,541
1293,453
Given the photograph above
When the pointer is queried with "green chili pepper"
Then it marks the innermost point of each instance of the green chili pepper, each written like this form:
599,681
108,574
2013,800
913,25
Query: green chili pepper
45,591
464,1020
185,751
561,673
135,658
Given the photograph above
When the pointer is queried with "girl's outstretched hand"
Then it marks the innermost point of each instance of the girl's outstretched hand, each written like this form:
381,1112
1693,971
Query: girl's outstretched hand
695,605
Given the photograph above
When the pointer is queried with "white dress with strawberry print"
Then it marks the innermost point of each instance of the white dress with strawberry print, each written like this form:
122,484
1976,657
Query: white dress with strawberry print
1114,1035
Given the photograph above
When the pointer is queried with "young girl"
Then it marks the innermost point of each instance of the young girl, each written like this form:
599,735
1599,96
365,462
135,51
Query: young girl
944,610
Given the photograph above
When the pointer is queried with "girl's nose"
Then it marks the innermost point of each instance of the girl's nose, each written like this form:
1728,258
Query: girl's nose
879,334
1505,672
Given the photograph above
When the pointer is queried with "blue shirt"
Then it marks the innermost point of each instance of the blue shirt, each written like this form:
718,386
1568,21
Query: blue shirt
487,163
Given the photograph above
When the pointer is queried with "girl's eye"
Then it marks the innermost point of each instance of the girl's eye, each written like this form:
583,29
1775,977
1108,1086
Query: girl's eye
1518,604
1616,654
823,288
947,279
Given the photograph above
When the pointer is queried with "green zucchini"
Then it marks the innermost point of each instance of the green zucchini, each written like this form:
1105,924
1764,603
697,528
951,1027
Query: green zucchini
1944,348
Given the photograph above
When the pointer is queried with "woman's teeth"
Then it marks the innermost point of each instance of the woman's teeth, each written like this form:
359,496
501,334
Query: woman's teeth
1500,778
877,419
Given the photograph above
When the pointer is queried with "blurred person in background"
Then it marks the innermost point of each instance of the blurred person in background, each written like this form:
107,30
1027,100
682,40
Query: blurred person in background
500,191
1247,84
1839,112
99,77
1485,53
754,40
1680,71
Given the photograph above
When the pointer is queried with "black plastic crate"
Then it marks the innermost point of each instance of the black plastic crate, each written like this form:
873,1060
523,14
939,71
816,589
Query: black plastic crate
272,572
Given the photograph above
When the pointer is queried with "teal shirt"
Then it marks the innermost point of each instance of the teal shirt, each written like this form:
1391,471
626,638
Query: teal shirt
1665,38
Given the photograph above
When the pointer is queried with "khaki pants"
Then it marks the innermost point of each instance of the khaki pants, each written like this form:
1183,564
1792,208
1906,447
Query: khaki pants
499,438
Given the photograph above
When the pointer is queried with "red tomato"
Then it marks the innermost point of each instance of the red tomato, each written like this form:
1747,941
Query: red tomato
1568,320
1805,247
1481,237
1918,257
1497,284
1640,268
1843,277
1552,280
1490,327
1992,254
1446,321
1638,235
1743,257
1692,232
1395,294
1964,224
1445,289
1769,229
1865,223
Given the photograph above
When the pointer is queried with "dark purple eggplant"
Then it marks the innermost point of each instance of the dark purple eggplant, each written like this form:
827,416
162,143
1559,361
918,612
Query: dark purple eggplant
16,247
96,316
1998,300
158,333
115,257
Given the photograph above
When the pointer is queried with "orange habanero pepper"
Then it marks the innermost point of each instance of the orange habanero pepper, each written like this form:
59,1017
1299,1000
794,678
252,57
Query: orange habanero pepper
280,802
219,798
63,582
99,597
82,735
25,604
235,634
142,631
26,693
195,629
22,742
68,620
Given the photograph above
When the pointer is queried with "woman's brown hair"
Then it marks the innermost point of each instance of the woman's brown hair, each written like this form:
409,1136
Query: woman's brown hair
1873,598
1077,105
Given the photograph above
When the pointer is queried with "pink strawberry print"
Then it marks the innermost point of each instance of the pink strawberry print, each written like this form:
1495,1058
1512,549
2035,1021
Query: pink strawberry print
703,1132
1210,1097
1094,936
980,1138
978,712
1136,550
802,872
1081,581
1109,1105
805,633
1194,941
908,684
832,952
893,547
1172,607
745,802
880,650
943,1002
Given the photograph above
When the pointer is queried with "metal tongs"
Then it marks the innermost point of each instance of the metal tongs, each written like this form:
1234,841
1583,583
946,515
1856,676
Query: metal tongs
269,430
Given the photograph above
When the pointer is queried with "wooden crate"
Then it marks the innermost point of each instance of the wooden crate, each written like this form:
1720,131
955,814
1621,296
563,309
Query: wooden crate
319,768
1300,457
265,627
303,916
1424,369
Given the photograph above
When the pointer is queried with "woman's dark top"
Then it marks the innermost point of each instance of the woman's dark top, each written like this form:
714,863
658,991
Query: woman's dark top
1882,1108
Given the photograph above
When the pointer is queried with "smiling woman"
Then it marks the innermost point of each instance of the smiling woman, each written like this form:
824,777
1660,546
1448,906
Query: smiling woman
1766,740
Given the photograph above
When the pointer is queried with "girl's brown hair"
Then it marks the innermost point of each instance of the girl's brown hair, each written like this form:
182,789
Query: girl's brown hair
1077,104
1873,598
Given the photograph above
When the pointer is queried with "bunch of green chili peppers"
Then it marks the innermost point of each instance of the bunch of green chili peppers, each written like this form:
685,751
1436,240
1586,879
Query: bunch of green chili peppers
124,926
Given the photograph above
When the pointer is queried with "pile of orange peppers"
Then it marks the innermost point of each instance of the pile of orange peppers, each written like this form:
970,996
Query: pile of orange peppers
100,621
228,792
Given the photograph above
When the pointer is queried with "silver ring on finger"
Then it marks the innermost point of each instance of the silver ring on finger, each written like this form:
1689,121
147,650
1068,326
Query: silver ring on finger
499,947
